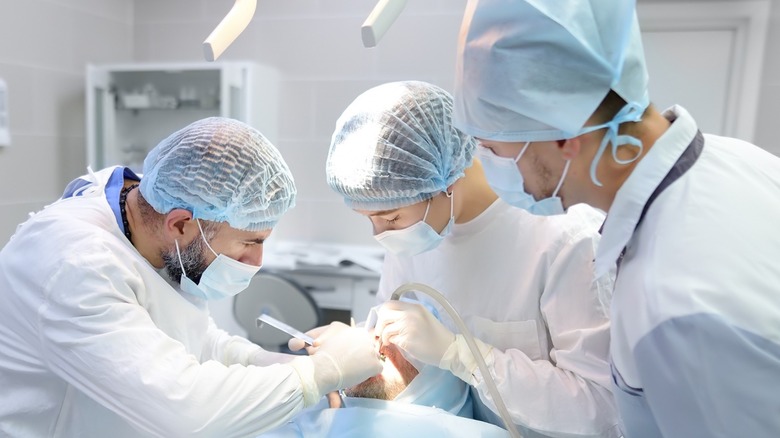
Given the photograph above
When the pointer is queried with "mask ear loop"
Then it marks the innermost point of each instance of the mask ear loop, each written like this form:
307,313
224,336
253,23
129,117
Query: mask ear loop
425,216
522,151
560,183
204,238
178,253
631,112
451,195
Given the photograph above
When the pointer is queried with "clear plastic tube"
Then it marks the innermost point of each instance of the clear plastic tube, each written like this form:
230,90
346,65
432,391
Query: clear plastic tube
491,384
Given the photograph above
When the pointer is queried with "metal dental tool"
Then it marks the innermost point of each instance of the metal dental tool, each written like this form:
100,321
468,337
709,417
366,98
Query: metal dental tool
295,333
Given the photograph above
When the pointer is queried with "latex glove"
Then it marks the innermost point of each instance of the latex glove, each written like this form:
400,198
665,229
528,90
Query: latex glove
460,360
343,356
413,329
295,344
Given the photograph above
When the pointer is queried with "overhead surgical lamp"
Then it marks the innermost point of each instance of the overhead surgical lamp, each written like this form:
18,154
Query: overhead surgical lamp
381,18
236,20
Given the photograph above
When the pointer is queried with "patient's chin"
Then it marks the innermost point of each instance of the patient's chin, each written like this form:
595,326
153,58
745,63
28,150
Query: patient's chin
376,387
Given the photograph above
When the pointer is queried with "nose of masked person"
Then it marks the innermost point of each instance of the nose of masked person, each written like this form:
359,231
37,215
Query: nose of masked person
417,238
506,180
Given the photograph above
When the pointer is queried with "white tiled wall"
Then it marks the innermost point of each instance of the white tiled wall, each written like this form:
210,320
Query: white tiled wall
44,47
315,44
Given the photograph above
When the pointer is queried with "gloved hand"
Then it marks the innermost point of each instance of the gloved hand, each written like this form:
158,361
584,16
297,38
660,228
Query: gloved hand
295,344
343,356
413,329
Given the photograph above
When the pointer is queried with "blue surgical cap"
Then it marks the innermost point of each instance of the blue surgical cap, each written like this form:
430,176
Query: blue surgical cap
395,146
536,70
221,170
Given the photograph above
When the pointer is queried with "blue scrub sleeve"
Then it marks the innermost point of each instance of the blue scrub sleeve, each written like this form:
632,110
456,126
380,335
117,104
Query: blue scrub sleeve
704,376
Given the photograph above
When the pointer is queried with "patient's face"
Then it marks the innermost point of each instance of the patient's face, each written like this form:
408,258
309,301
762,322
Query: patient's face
395,377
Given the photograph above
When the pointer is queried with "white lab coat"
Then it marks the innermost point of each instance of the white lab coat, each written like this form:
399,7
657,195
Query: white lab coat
525,285
95,343
696,307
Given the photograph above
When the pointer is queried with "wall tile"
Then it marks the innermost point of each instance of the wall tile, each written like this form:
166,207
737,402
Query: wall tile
312,48
115,10
296,110
19,80
97,40
72,159
36,34
307,164
31,159
331,99
296,224
771,73
58,102
332,221
171,42
156,11
768,109
408,47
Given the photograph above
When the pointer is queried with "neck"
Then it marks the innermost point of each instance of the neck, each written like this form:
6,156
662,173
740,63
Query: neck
146,244
472,194
612,174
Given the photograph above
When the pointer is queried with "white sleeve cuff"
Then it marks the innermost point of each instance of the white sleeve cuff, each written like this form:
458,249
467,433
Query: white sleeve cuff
304,367
459,360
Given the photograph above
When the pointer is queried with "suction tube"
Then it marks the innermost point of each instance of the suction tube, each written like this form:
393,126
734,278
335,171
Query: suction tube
491,384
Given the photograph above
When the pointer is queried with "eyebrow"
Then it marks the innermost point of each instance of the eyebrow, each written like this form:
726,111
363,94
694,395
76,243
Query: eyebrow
258,240
382,212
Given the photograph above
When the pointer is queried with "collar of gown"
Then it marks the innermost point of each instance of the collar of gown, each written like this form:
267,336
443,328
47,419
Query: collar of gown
631,198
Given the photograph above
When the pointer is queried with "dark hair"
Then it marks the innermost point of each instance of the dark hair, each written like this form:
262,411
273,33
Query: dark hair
149,216
152,219
608,109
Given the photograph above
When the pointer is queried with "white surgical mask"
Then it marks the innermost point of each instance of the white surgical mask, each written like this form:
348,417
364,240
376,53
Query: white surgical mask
505,178
223,278
417,238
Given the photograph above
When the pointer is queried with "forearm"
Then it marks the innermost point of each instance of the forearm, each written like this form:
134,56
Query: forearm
539,395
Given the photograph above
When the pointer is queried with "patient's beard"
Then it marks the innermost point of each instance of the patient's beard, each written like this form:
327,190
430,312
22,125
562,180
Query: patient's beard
377,387
395,377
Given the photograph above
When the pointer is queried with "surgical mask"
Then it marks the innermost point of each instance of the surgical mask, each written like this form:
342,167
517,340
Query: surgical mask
223,278
417,238
505,178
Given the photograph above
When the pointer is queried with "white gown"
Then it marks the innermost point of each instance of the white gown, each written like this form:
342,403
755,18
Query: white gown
696,309
525,285
95,343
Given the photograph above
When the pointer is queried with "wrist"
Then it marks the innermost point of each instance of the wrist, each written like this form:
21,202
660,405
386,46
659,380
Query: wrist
305,369
459,359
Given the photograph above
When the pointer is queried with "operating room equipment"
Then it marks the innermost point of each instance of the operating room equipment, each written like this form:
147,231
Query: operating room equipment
491,384
379,21
236,20
273,322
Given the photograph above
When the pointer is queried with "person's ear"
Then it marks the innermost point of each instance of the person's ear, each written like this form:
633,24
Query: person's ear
570,148
452,186
177,223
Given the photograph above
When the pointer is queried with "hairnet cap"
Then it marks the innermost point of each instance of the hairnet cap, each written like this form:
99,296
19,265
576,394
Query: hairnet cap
222,170
536,70
395,145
